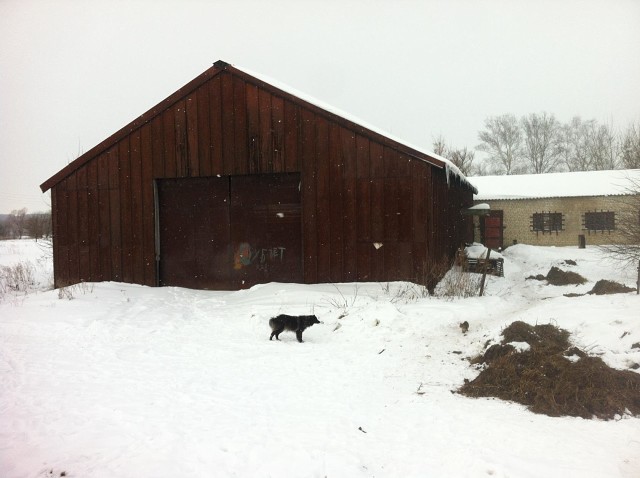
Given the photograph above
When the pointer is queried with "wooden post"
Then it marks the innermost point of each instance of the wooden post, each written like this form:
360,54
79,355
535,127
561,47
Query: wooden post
484,272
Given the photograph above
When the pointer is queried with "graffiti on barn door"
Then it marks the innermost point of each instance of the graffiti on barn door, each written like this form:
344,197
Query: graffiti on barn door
258,257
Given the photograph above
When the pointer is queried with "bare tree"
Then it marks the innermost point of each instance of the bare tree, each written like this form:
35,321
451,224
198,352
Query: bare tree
502,141
542,148
440,146
630,155
574,144
627,249
39,225
602,147
17,222
461,157
480,168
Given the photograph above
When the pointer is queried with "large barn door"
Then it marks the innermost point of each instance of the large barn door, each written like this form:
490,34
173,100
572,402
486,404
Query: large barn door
229,232
266,234
194,232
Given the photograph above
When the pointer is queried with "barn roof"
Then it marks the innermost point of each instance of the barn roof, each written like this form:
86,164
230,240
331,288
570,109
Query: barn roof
556,185
334,114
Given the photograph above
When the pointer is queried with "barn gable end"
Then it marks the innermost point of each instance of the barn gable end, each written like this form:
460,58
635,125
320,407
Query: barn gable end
370,208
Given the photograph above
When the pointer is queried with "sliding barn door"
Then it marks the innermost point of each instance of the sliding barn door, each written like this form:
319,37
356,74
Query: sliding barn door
229,232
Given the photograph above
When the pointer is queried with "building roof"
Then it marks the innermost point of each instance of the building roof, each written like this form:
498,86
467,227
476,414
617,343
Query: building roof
219,66
556,185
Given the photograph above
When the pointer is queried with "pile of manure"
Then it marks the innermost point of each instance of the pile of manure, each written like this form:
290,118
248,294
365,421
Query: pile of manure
557,276
603,287
552,377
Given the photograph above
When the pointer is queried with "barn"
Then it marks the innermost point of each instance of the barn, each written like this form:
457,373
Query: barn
233,181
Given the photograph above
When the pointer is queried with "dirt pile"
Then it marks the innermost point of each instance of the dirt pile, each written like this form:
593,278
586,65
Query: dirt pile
553,378
609,287
557,276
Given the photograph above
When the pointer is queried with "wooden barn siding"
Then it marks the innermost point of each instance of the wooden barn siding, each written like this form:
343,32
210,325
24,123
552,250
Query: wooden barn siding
356,190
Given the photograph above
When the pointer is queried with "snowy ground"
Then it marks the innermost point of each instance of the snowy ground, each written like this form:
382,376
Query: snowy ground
131,381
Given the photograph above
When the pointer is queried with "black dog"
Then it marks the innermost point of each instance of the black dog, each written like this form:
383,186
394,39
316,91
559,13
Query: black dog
292,323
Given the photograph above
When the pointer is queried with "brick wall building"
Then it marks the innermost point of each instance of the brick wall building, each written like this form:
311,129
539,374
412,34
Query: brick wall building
558,209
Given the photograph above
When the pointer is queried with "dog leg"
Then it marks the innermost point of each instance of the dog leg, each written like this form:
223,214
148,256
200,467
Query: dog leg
299,335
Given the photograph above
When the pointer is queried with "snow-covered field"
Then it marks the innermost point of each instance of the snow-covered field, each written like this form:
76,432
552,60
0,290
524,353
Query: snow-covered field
131,381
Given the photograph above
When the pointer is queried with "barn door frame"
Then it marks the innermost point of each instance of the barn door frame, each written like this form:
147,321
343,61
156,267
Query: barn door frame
156,229
253,205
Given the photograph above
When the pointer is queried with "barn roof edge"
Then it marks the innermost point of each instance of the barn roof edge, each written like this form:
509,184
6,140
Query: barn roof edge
220,66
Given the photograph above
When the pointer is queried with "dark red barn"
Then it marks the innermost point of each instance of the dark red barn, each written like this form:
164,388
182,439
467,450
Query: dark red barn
231,181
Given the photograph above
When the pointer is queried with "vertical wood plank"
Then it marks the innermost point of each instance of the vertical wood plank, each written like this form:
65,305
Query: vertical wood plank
391,260
136,209
291,140
157,149
71,187
84,253
241,162
253,127
277,133
204,131
377,208
364,205
94,224
191,110
114,208
169,134
104,249
180,128
390,162
336,175
148,206
266,152
418,201
405,213
405,261
126,210
391,210
363,156
364,261
349,208
228,123
309,202
377,264
56,216
215,118
59,196
419,254
325,228
376,162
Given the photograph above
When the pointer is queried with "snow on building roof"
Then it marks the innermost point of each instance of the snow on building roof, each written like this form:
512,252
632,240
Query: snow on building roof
550,185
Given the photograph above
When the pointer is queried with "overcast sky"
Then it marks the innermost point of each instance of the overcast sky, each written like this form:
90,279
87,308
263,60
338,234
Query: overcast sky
74,72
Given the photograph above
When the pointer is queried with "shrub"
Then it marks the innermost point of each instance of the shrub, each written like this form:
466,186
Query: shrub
17,278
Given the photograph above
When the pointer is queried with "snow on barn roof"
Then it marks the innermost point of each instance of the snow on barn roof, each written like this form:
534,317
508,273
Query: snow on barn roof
550,185
451,169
